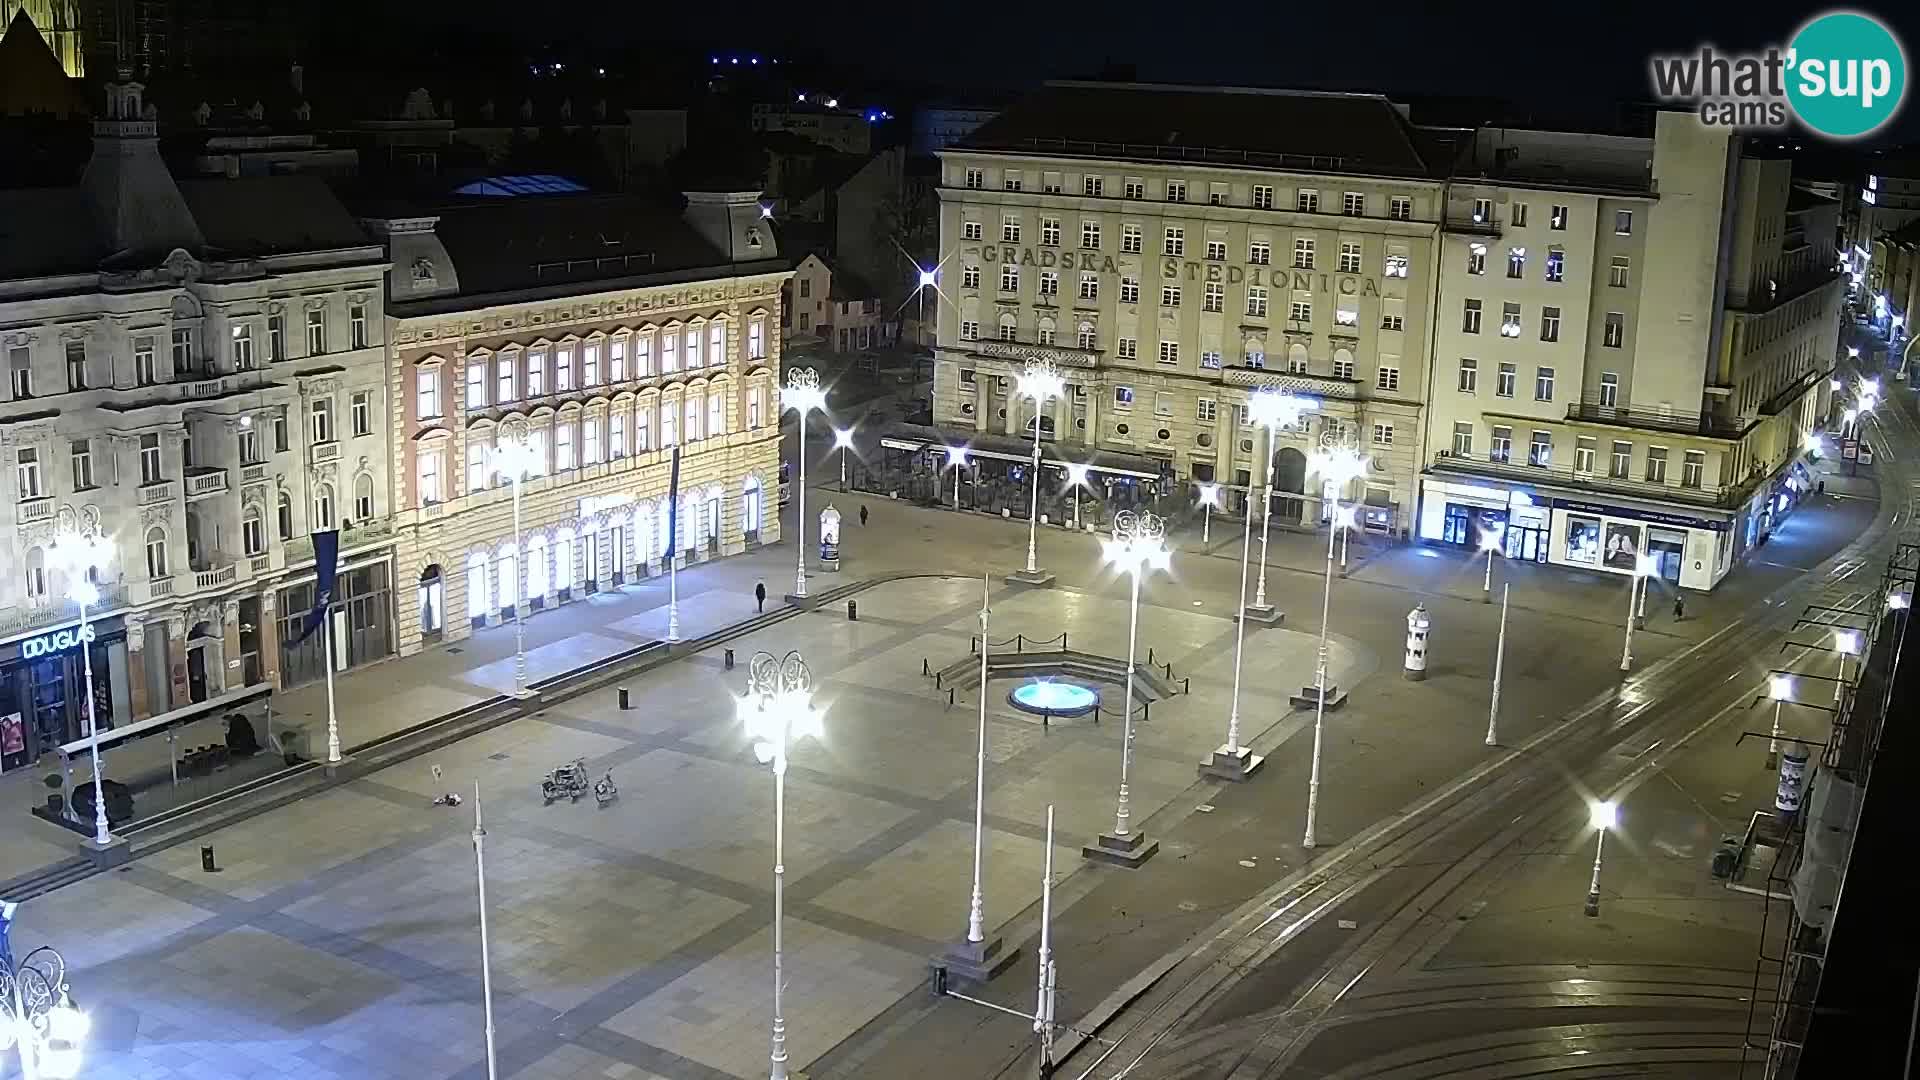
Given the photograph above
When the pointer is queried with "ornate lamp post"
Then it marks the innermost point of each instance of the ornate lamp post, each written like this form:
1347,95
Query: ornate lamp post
37,1015
1042,383
1491,542
1338,463
1643,566
1209,501
79,556
516,458
777,709
1138,545
1233,761
957,458
843,442
973,956
1076,479
1780,689
1845,643
803,395
1604,816
1272,410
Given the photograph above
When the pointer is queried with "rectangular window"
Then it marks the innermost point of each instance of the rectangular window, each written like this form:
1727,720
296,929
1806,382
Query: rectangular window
969,230
1557,221
1609,389
1307,202
1349,258
669,352
1540,450
1130,239
969,277
642,430
976,179
1622,460
320,420
1169,296
1476,258
1693,468
1169,352
1300,311
505,388
1583,450
1088,338
357,325
82,450
1262,196
1619,269
1162,404
562,447
27,472
150,470
563,369
1009,277
249,440
716,414
1215,297
1393,322
360,409
1204,410
282,438
1500,446
616,434
590,364
1010,230
1543,384
1556,264
1616,330
276,338
1343,369
76,365
1216,251
1623,222
183,350
1470,318
1256,301
1354,204
1049,283
1387,378
1469,375
1504,381
1549,324
536,372
1383,434
1509,320
1008,330
1127,348
1049,232
1092,185
753,407
1050,183
145,371
1136,188
1217,195
1516,262
969,330
1129,290
643,356
1517,215
1212,360
1303,253
1462,439
1656,464
1400,208
1176,191
1397,264
1090,235
1123,397
1011,180
242,336
695,359
316,332
1259,252
1175,241
757,338
426,388
1482,211
1089,286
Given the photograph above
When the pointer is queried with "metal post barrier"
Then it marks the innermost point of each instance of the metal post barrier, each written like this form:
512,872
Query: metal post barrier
626,702
729,660
936,680
1150,656
1146,711
1186,684
925,667
949,698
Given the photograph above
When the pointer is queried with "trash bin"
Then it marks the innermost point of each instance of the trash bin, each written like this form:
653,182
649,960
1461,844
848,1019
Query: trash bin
853,611
1726,857
295,740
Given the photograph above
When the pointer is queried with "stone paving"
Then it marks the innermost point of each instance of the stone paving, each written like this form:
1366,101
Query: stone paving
339,937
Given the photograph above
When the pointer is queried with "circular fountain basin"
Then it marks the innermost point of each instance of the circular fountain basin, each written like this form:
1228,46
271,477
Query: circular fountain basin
1047,698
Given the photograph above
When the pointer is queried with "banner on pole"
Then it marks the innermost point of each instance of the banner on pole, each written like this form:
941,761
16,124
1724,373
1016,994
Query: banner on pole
326,570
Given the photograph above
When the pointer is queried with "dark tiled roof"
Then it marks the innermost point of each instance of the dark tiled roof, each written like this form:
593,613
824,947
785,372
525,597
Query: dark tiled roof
1355,133
505,245
270,215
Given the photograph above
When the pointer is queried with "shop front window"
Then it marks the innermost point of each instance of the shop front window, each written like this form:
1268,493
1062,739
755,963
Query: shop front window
1583,540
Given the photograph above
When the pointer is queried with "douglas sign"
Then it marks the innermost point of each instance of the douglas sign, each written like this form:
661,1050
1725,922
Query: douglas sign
58,641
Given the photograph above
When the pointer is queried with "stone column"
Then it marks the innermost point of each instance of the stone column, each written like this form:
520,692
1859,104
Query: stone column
269,630
179,690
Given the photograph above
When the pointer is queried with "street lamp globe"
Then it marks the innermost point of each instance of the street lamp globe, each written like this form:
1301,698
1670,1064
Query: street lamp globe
928,277
1645,566
1898,601
843,438
1339,465
1345,516
1847,642
1780,687
1210,495
1603,815
1077,473
1871,385
956,455
1492,539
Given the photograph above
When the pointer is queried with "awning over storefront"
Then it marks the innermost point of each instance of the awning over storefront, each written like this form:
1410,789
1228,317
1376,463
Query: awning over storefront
916,437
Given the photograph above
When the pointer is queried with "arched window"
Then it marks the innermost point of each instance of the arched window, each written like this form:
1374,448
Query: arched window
283,510
253,529
157,553
563,559
717,343
506,577
322,507
750,505
1297,358
1046,329
694,404
363,498
1009,326
477,585
537,566
1088,339
716,412
37,574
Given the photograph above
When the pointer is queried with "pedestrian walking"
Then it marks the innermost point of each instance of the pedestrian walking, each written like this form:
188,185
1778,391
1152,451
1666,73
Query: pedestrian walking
760,597
863,515
1679,607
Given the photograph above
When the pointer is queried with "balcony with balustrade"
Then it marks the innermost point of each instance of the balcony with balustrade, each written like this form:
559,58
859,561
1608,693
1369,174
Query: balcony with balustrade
1705,425
205,480
1588,482
1323,386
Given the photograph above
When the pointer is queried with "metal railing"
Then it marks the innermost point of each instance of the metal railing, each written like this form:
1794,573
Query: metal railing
1163,152
1713,495
1593,410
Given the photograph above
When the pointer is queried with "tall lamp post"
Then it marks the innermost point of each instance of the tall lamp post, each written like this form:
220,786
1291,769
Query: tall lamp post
1643,566
79,556
1042,383
1780,689
777,709
1499,662
1845,643
1077,473
1138,545
1233,761
1209,502
38,1017
957,458
1491,542
486,955
517,458
803,395
974,956
1337,463
843,442
1272,410
1603,815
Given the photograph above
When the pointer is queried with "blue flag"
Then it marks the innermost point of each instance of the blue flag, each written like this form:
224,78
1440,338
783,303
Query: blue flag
673,508
326,569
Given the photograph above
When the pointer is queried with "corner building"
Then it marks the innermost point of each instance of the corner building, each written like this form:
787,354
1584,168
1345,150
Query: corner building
606,332
1175,249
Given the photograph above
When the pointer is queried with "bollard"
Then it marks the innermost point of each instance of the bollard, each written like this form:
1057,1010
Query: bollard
729,660
625,701
853,611
936,680
925,668
1146,711
1186,684
1149,656
949,697
206,859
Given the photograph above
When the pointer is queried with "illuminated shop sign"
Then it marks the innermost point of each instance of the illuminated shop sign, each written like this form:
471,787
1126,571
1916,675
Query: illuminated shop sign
58,641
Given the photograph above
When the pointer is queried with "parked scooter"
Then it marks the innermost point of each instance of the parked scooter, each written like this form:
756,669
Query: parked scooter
566,782
603,790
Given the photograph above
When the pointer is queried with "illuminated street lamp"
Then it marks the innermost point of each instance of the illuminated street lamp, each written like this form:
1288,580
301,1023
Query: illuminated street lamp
1138,545
1845,643
1491,542
1603,816
803,395
1209,501
516,458
1041,382
1233,761
80,557
843,442
1076,479
776,710
1643,567
956,457
37,1014
1780,689
1499,663
1337,464
1272,410
1899,601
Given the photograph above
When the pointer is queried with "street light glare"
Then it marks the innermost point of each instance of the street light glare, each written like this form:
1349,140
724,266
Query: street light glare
843,438
1604,815
1278,408
1210,494
1491,539
1847,642
956,455
1898,601
1645,566
1780,687
1344,516
927,277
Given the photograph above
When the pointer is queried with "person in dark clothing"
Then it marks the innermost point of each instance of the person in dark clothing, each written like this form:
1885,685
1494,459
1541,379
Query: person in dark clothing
1679,607
863,515
759,597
